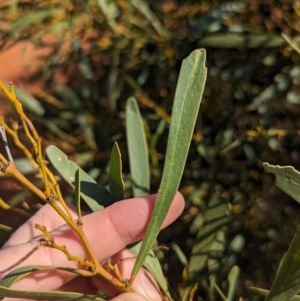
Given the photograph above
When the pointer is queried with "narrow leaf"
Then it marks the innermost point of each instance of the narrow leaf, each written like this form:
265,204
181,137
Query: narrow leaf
33,17
137,149
214,219
181,256
287,179
116,184
110,12
185,110
287,281
47,295
95,196
215,264
77,194
29,101
263,292
76,104
291,42
4,228
152,265
19,273
242,40
144,8
233,278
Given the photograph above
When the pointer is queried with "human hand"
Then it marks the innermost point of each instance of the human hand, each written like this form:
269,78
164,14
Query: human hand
109,231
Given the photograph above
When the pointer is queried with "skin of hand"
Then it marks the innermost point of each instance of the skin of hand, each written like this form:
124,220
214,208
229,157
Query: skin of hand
109,231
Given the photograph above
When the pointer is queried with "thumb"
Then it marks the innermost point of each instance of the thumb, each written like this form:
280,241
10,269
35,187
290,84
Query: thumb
144,284
130,297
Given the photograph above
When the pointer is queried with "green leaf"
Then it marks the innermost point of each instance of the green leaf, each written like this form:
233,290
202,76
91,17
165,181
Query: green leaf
4,228
19,273
152,265
291,42
181,256
114,85
110,11
29,101
19,197
185,110
95,196
287,281
30,18
241,40
215,264
233,278
24,165
263,292
287,179
137,149
76,105
116,184
214,219
47,295
144,8
280,85
77,194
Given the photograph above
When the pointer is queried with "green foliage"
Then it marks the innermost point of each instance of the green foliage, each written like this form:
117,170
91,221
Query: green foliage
249,112
115,181
205,243
185,110
138,149
95,196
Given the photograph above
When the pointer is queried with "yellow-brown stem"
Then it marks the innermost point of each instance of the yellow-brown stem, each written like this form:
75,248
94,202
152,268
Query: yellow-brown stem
13,171
18,143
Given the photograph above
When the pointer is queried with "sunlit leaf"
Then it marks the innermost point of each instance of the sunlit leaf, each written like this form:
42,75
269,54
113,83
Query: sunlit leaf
137,149
95,196
287,179
185,110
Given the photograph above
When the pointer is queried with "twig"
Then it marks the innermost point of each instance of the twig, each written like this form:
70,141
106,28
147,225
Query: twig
4,138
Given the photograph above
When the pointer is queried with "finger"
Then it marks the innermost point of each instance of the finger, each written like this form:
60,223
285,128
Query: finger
131,297
46,216
108,231
144,283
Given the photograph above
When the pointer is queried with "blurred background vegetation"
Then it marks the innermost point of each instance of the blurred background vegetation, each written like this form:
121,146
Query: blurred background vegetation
97,53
